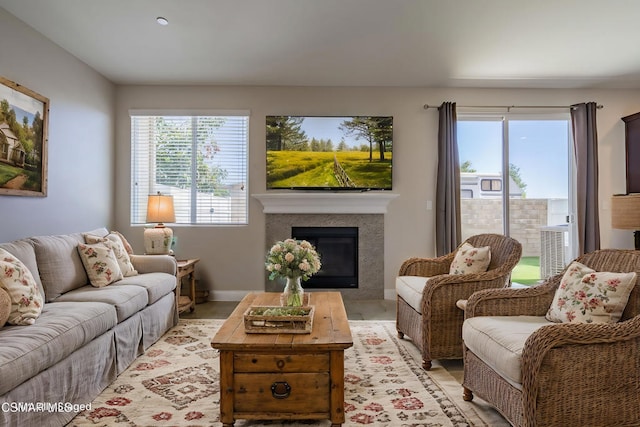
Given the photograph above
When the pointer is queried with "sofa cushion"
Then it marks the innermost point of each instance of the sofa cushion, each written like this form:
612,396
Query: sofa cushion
61,329
25,252
409,288
17,281
588,296
499,341
100,263
60,266
156,285
469,260
127,300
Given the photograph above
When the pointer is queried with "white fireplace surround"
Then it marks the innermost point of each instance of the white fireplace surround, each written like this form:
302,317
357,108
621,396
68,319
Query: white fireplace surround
326,202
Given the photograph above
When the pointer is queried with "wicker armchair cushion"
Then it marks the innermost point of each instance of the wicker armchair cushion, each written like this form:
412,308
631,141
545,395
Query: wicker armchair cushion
410,288
469,260
588,296
499,340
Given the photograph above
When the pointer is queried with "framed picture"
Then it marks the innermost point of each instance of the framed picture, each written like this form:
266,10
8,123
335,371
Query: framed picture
24,117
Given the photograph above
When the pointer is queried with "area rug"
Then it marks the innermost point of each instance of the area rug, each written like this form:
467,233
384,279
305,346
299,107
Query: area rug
176,383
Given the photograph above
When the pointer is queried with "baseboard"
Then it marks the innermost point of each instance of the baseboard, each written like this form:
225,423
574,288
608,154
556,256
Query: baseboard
389,294
227,295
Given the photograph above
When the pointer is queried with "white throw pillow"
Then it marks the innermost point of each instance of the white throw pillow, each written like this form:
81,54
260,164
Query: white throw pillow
470,260
100,263
587,296
114,241
17,280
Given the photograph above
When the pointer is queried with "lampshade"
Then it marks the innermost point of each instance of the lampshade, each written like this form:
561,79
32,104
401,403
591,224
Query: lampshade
625,211
160,209
158,240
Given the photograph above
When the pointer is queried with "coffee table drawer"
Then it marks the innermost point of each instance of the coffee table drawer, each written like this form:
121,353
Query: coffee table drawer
312,362
282,393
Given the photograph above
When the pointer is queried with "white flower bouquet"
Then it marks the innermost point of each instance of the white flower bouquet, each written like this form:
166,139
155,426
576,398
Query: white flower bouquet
292,258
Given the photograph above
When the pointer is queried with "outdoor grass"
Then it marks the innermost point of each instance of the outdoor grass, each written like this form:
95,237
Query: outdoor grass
315,169
527,272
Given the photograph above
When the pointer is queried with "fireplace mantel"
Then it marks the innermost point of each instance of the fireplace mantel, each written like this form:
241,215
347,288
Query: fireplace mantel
325,203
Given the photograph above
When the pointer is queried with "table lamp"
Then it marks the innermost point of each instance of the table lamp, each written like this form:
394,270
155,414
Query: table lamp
160,209
625,214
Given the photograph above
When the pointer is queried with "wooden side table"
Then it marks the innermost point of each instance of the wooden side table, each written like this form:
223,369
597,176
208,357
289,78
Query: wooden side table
186,268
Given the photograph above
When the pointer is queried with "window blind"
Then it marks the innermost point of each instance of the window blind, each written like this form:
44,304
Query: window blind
201,160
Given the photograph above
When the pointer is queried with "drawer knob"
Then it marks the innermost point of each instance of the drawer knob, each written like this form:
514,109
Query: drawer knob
280,363
280,389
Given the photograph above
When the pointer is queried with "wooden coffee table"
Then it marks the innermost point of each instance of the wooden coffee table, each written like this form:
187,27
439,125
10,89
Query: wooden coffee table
284,376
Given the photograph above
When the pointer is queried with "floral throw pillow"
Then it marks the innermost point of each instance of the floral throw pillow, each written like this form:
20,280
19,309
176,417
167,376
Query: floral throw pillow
470,260
114,242
587,296
125,242
18,282
100,263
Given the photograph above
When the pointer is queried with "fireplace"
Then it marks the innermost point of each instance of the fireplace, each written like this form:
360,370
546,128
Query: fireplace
370,249
338,249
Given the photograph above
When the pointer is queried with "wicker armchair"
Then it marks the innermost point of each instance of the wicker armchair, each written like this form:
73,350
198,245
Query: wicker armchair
571,374
436,325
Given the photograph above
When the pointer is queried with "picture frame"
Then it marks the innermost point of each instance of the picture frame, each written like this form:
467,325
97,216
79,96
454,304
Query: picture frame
24,123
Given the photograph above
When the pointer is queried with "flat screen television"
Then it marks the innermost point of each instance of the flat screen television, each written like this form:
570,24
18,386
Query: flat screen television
329,153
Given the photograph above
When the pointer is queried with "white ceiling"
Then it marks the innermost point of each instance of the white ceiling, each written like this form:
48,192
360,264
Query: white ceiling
427,43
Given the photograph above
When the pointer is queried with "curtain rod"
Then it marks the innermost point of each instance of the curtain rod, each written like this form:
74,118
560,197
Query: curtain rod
509,107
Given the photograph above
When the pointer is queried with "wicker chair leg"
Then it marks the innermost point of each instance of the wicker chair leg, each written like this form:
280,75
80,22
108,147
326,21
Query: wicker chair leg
426,364
467,395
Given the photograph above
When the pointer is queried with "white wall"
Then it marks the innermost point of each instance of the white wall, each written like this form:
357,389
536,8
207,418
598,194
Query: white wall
232,257
81,134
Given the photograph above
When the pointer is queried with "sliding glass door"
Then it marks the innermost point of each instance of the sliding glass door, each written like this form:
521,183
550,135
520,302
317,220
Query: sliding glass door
516,180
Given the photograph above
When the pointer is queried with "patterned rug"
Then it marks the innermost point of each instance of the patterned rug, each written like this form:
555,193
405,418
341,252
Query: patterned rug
176,383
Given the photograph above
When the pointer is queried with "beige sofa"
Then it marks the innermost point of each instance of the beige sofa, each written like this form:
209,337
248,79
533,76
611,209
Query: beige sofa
85,336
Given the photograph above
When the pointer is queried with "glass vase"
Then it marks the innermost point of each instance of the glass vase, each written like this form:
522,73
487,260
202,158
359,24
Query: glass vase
293,294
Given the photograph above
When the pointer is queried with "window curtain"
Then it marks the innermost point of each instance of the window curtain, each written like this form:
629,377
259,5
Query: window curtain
448,230
585,143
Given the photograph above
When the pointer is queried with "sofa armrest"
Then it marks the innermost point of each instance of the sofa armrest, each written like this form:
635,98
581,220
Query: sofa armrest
155,264
532,301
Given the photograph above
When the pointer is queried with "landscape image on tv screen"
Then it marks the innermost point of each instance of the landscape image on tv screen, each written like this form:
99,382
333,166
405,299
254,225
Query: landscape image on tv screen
329,153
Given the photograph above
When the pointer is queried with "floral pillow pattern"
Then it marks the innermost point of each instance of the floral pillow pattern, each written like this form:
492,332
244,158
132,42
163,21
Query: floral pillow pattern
100,263
114,242
470,260
587,296
18,282
125,242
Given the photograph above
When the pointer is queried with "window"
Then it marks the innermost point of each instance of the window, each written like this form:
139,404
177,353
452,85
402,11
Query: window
201,160
491,185
534,200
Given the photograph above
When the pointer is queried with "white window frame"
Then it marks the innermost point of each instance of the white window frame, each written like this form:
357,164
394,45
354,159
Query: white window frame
230,210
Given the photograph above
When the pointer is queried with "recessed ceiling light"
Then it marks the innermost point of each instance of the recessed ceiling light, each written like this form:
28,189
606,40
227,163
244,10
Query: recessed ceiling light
162,21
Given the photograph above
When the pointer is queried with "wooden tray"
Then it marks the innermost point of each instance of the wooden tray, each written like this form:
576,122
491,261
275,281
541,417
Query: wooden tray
257,322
